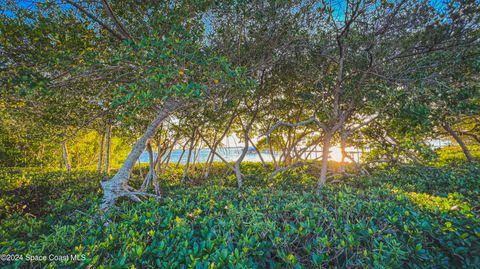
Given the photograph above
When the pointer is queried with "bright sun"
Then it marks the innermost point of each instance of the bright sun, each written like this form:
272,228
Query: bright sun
335,154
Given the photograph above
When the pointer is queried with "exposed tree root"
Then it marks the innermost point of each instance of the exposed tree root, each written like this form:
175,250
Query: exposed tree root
135,194
113,192
111,195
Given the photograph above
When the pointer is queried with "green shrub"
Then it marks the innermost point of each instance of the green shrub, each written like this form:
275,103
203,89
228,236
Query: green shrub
454,154
366,222
439,181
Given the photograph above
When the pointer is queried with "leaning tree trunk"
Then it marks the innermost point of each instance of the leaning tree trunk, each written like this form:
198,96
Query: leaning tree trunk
217,142
158,162
100,157
272,153
216,153
167,161
258,152
325,155
108,149
460,142
117,186
65,156
181,155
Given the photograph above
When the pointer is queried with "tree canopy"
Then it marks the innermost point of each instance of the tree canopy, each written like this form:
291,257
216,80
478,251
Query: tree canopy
282,76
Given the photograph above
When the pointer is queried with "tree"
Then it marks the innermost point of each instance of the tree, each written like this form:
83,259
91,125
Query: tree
366,54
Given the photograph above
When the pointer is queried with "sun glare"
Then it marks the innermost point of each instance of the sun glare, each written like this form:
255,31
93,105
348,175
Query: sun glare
335,154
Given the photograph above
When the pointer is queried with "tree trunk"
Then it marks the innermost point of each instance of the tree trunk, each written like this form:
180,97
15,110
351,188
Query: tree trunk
198,147
100,157
117,186
167,161
160,152
147,178
288,149
208,163
185,171
181,155
272,153
152,171
258,152
65,156
325,154
213,150
343,145
140,171
238,172
460,142
108,149
196,153
246,130
474,136
216,153
151,175
158,161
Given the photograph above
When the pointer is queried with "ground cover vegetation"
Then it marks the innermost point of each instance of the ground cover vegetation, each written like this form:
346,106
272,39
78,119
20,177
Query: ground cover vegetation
400,217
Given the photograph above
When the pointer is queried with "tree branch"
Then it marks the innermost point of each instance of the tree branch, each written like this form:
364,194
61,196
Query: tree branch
312,119
96,19
116,21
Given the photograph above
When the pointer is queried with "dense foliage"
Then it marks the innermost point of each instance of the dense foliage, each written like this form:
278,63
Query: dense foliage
389,89
407,217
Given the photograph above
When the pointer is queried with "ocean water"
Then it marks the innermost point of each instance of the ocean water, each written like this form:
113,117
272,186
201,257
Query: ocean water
229,154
